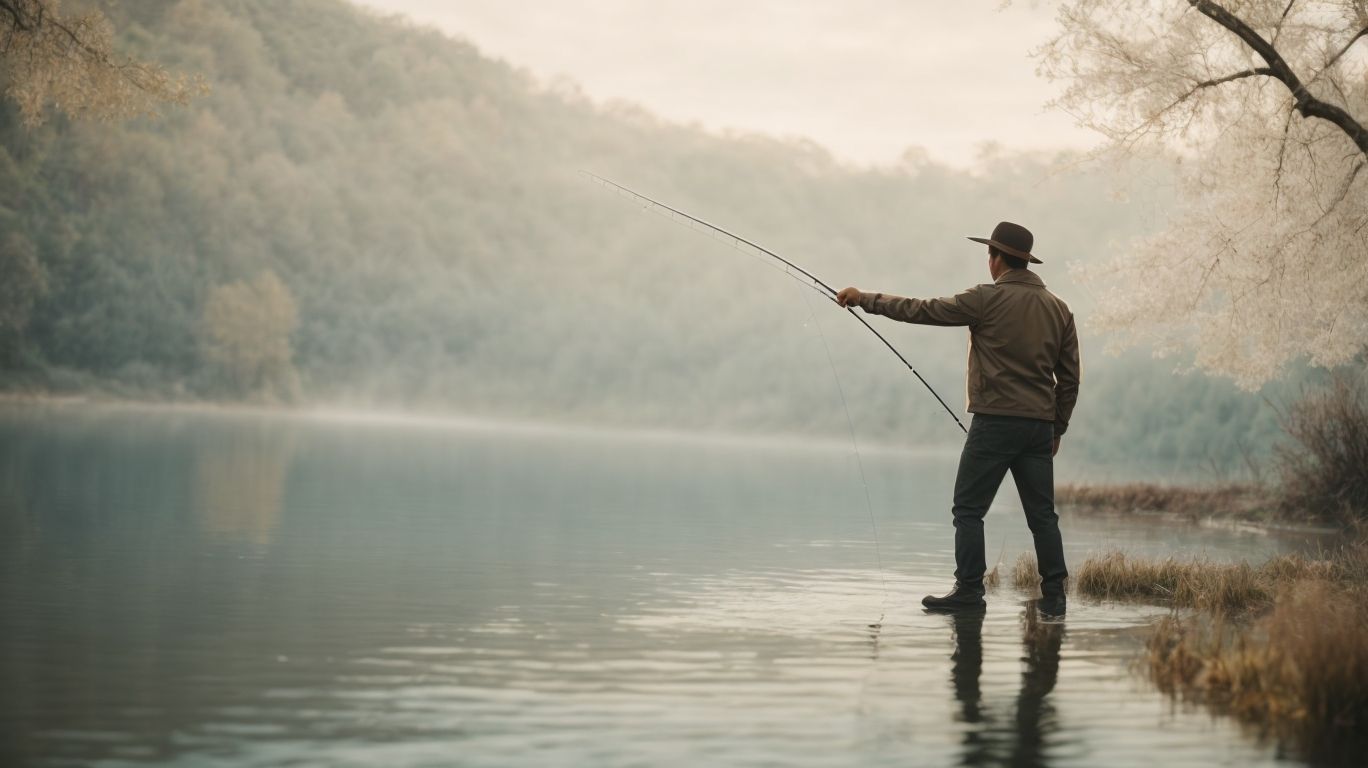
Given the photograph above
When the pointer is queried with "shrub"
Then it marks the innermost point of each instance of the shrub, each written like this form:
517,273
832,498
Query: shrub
1324,470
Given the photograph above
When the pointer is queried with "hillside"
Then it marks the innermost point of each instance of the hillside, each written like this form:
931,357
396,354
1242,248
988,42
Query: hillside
422,209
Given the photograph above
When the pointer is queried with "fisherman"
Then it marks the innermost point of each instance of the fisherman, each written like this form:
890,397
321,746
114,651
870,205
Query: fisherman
1022,384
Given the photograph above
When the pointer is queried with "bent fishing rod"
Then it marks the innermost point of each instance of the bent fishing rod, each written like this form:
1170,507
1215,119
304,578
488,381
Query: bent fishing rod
770,258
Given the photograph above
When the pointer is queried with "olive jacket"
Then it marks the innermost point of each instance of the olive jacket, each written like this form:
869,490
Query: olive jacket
1023,350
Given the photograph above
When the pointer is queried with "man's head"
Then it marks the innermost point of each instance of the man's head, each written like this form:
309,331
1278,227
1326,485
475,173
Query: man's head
999,262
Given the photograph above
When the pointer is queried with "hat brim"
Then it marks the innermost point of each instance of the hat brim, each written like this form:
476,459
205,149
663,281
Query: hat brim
1007,249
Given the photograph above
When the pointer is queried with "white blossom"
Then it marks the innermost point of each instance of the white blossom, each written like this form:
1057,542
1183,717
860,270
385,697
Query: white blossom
1266,261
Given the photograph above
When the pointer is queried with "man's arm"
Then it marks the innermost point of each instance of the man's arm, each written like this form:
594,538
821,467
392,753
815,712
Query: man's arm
964,308
1068,371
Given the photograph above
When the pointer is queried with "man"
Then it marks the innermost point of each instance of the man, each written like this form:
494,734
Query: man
1023,383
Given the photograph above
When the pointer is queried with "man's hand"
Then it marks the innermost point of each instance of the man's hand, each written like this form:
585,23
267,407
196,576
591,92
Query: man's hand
848,296
1055,448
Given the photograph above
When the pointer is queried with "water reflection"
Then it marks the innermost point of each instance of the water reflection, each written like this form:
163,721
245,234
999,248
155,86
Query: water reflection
993,739
197,589
240,481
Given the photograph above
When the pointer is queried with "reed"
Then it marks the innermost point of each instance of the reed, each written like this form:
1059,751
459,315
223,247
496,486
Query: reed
1193,583
1301,669
1025,574
1230,500
1282,646
1199,583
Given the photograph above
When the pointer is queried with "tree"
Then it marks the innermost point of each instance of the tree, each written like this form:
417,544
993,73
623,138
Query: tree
22,282
1265,102
68,60
245,334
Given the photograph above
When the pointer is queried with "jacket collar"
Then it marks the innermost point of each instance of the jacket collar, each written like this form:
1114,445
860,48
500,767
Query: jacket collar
1020,276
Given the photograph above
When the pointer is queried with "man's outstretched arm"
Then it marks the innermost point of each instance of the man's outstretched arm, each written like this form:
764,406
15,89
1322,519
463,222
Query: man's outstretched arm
964,308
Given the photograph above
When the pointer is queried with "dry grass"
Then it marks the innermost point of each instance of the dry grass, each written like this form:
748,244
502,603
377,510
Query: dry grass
1300,670
1349,565
1025,574
1217,586
1282,646
1243,501
1192,583
991,579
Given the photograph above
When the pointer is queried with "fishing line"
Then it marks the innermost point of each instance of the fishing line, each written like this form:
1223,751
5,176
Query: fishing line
859,462
809,281
736,243
794,271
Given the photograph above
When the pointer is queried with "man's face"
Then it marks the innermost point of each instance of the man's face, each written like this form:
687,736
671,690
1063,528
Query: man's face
994,264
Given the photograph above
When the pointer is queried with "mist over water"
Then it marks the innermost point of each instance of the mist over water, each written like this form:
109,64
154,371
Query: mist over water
197,588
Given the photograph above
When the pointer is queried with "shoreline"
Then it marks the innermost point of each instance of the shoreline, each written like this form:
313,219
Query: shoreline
464,421
1276,645
1177,500
1249,506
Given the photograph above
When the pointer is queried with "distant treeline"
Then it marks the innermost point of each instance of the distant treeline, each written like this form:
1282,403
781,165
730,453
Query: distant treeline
367,212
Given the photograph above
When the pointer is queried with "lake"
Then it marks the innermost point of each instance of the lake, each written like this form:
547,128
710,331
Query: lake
206,588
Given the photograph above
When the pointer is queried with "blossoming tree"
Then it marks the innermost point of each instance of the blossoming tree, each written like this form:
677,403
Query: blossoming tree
1266,103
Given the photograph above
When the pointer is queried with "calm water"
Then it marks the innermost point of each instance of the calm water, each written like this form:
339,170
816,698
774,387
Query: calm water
208,589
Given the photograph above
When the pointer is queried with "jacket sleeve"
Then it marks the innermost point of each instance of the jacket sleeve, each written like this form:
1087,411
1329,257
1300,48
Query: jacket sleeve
1068,372
964,308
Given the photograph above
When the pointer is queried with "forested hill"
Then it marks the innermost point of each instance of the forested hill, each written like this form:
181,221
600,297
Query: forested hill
367,212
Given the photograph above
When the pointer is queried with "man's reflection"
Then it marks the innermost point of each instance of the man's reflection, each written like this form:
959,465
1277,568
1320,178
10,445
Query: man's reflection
1034,714
990,739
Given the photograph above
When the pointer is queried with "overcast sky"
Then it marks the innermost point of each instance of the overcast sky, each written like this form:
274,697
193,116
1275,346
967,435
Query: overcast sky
866,78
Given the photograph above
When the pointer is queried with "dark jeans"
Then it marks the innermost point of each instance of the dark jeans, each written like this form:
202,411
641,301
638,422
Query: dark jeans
995,445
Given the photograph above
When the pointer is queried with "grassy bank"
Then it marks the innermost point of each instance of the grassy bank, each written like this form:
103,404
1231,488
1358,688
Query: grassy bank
1281,646
1225,587
1298,672
1249,502
1318,475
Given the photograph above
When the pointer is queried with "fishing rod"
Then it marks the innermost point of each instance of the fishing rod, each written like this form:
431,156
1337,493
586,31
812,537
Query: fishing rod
769,258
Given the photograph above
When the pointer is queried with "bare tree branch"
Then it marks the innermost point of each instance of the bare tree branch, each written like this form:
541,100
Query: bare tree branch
1306,104
1236,76
1277,31
1361,34
1282,155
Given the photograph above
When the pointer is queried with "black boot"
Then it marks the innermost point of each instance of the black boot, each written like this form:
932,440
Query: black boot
961,597
1052,604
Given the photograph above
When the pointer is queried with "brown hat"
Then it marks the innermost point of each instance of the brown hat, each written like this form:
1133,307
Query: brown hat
1011,239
